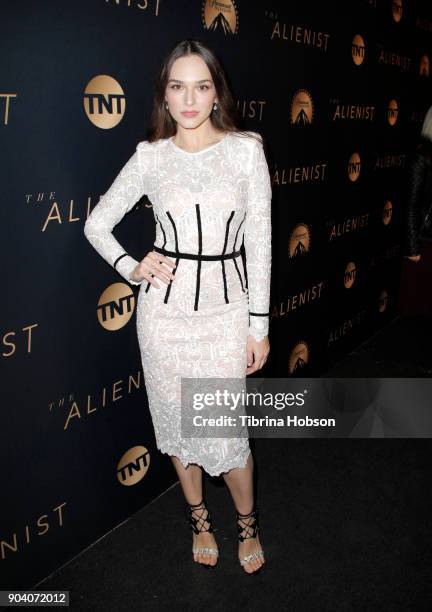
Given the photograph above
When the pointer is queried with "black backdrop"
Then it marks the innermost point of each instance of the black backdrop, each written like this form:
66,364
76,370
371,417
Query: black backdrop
339,92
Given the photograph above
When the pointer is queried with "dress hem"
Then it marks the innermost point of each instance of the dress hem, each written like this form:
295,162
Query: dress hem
231,465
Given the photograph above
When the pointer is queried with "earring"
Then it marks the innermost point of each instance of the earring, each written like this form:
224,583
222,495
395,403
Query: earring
166,105
215,106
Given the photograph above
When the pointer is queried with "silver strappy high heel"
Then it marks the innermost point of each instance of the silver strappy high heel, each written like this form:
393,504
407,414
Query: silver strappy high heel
198,525
248,527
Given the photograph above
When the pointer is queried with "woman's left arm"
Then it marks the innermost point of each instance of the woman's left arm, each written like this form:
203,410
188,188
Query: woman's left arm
258,242
416,178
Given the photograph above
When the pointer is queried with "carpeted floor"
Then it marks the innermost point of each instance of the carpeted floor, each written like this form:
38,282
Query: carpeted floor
345,523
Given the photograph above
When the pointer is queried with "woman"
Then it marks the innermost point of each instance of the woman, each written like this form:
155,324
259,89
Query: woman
210,187
419,193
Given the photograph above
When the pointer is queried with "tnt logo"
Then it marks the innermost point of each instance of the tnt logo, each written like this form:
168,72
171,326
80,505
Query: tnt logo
133,466
350,275
115,306
354,167
397,10
392,112
358,50
387,212
104,102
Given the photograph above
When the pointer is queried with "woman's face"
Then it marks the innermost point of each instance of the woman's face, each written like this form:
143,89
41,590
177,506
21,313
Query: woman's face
190,88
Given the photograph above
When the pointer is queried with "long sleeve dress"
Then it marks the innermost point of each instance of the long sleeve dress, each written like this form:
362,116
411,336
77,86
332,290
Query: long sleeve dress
418,212
205,204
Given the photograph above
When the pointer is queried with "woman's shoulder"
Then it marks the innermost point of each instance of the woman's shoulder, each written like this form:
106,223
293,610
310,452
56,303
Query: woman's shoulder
146,149
246,143
151,145
248,136
245,147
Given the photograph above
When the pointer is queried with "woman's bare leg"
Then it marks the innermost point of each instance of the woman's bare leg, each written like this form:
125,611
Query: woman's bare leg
240,484
191,483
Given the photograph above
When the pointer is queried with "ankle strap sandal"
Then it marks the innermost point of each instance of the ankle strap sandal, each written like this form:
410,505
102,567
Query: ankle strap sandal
248,527
198,526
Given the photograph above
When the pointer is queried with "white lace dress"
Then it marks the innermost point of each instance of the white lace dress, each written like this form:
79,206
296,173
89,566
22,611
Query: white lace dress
204,204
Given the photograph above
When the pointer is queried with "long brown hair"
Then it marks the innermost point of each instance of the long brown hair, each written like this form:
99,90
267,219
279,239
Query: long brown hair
224,119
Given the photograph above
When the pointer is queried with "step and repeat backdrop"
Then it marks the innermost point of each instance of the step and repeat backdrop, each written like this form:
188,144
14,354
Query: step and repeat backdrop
339,92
